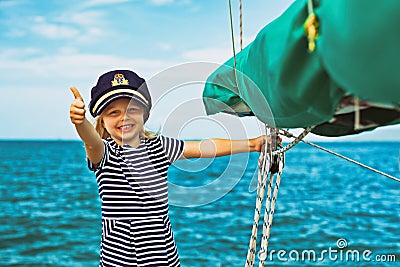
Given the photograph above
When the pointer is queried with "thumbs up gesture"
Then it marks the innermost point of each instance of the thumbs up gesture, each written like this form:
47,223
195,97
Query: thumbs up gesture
77,110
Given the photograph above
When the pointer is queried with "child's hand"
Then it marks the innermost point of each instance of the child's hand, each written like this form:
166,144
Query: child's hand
262,149
259,142
77,110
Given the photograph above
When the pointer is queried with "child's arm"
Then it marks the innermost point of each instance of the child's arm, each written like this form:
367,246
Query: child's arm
221,147
93,144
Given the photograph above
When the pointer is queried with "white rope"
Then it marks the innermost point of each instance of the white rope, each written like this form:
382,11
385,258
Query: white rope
288,134
241,24
294,142
353,161
262,178
232,34
265,165
264,169
269,212
310,7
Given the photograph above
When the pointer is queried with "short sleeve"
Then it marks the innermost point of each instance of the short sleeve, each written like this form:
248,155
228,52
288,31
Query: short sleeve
103,160
173,147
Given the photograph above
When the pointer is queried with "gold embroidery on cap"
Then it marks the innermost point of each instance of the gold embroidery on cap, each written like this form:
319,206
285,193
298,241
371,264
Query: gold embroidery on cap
119,79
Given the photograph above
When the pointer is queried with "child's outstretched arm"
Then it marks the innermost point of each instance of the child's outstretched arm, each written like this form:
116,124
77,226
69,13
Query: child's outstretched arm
221,147
93,144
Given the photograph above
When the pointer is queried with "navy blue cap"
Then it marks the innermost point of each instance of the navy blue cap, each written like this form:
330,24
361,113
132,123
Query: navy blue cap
118,84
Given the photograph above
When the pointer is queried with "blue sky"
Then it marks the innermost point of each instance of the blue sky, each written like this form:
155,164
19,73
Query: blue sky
47,46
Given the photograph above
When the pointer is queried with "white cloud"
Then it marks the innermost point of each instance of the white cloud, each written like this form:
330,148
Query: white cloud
208,54
53,31
95,3
17,53
7,4
45,82
68,50
15,33
186,2
164,46
81,18
38,19
26,66
80,27
161,2
168,2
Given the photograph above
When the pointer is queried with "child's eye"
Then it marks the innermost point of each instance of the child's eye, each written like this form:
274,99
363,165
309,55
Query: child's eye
113,112
133,109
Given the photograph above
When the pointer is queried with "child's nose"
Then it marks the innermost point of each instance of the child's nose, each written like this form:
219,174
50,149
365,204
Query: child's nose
125,116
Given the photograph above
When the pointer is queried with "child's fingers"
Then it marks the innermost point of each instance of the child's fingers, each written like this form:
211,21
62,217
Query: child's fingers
78,103
77,121
77,115
76,93
77,108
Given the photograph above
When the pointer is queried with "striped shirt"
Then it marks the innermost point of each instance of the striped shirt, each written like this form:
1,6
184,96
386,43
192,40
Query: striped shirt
133,189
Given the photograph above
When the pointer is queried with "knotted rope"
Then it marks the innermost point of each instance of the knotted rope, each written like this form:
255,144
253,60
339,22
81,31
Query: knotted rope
269,164
270,210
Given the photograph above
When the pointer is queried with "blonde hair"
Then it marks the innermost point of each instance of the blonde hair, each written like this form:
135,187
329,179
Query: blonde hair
98,125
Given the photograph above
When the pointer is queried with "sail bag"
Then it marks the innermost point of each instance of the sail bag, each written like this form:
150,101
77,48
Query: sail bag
277,78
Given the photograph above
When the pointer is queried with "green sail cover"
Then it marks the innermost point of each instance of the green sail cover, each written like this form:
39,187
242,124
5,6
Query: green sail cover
357,53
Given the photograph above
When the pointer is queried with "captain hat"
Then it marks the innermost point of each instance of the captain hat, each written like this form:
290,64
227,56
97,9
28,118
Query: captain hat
118,84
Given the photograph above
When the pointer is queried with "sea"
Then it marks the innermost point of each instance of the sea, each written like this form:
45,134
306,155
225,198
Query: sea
328,212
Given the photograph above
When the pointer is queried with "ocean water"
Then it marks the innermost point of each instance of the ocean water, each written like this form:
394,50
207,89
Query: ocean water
344,214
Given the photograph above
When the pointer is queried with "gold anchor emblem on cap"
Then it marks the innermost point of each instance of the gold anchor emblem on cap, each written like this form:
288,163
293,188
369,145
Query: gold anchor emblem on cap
119,79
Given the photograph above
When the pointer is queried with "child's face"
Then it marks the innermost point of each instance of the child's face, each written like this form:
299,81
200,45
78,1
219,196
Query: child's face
124,121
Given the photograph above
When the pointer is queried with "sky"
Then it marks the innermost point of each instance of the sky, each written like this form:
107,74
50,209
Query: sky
47,46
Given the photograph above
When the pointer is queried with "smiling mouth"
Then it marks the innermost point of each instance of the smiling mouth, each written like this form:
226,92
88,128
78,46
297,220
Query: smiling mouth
126,127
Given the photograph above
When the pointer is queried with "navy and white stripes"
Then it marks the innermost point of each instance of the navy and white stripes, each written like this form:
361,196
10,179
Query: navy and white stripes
133,188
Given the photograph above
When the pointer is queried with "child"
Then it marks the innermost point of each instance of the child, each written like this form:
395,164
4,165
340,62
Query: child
131,169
